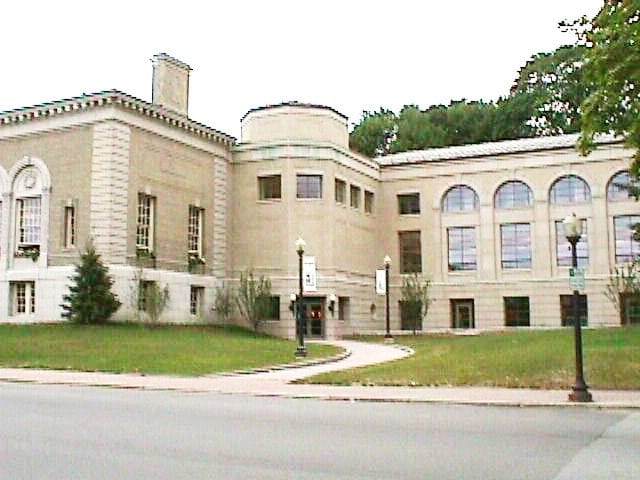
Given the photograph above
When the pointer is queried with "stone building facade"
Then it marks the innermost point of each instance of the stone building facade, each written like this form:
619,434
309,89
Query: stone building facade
172,201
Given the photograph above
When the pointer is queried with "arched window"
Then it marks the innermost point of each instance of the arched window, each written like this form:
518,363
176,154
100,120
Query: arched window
621,186
460,199
514,194
570,190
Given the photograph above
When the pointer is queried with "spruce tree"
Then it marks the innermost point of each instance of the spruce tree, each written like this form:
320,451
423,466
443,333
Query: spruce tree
90,299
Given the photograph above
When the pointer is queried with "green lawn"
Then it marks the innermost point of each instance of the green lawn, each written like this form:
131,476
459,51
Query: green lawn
537,359
176,350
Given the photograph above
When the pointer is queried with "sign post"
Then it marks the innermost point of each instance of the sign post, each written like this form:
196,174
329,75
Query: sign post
576,278
309,274
381,282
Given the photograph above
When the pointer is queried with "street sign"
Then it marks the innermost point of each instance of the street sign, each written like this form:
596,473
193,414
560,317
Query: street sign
381,282
576,278
309,274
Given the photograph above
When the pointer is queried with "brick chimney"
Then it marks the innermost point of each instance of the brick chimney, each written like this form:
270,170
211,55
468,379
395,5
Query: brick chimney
171,83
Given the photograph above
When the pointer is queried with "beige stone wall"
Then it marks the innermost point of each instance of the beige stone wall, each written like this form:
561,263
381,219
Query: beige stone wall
178,175
544,281
295,123
67,155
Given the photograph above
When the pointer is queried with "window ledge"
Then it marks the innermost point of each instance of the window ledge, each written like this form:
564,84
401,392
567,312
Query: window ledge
269,201
409,215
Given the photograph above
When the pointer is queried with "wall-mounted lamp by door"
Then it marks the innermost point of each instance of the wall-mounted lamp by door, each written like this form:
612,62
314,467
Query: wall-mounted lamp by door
332,303
292,301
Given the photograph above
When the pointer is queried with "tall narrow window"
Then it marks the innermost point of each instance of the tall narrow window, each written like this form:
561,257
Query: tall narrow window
409,204
69,227
195,230
368,201
515,241
270,187
410,252
462,248
563,247
354,195
196,299
627,247
28,221
23,298
145,220
309,186
341,191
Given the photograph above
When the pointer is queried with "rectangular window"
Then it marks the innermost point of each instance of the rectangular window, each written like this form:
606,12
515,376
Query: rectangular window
273,310
28,221
409,204
343,308
309,186
516,311
566,310
196,299
145,222
630,309
515,241
354,195
368,201
627,248
195,230
341,191
69,227
144,292
410,252
563,247
462,248
23,295
270,187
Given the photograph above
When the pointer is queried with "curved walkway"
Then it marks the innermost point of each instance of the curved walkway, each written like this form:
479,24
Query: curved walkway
277,383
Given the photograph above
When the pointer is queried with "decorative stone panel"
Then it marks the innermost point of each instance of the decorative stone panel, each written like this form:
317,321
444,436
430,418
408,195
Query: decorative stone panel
109,190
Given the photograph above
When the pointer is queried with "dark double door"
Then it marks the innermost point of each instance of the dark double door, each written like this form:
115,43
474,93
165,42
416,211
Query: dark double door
313,317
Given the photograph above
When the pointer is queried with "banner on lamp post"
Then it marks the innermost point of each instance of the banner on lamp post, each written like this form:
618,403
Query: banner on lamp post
309,279
381,282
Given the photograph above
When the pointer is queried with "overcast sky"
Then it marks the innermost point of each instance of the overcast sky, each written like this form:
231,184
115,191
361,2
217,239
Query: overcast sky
351,55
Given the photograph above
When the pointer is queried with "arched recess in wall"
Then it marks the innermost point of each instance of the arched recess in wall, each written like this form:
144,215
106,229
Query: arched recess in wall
460,198
569,190
621,187
30,187
513,194
4,213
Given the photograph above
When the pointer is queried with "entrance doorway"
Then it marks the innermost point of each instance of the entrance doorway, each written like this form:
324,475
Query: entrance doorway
462,314
314,317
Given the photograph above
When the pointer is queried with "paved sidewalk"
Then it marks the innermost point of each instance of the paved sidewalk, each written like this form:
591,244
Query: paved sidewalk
277,383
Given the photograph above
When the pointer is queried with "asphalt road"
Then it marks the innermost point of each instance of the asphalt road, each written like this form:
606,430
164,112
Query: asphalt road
61,432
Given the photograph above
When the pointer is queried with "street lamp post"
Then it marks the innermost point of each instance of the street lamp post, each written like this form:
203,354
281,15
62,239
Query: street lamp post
580,390
301,351
387,263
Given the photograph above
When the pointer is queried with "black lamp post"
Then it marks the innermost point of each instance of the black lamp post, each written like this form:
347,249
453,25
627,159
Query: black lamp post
387,263
301,351
573,232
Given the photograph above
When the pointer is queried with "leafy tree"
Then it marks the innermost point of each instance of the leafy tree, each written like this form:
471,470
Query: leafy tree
253,298
613,66
156,299
375,132
90,299
624,282
224,302
553,87
415,295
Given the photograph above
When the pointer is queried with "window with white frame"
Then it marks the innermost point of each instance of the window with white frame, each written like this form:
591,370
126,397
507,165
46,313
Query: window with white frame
195,230
23,298
196,299
460,199
145,222
514,194
462,248
69,226
28,213
570,190
622,187
627,246
515,241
